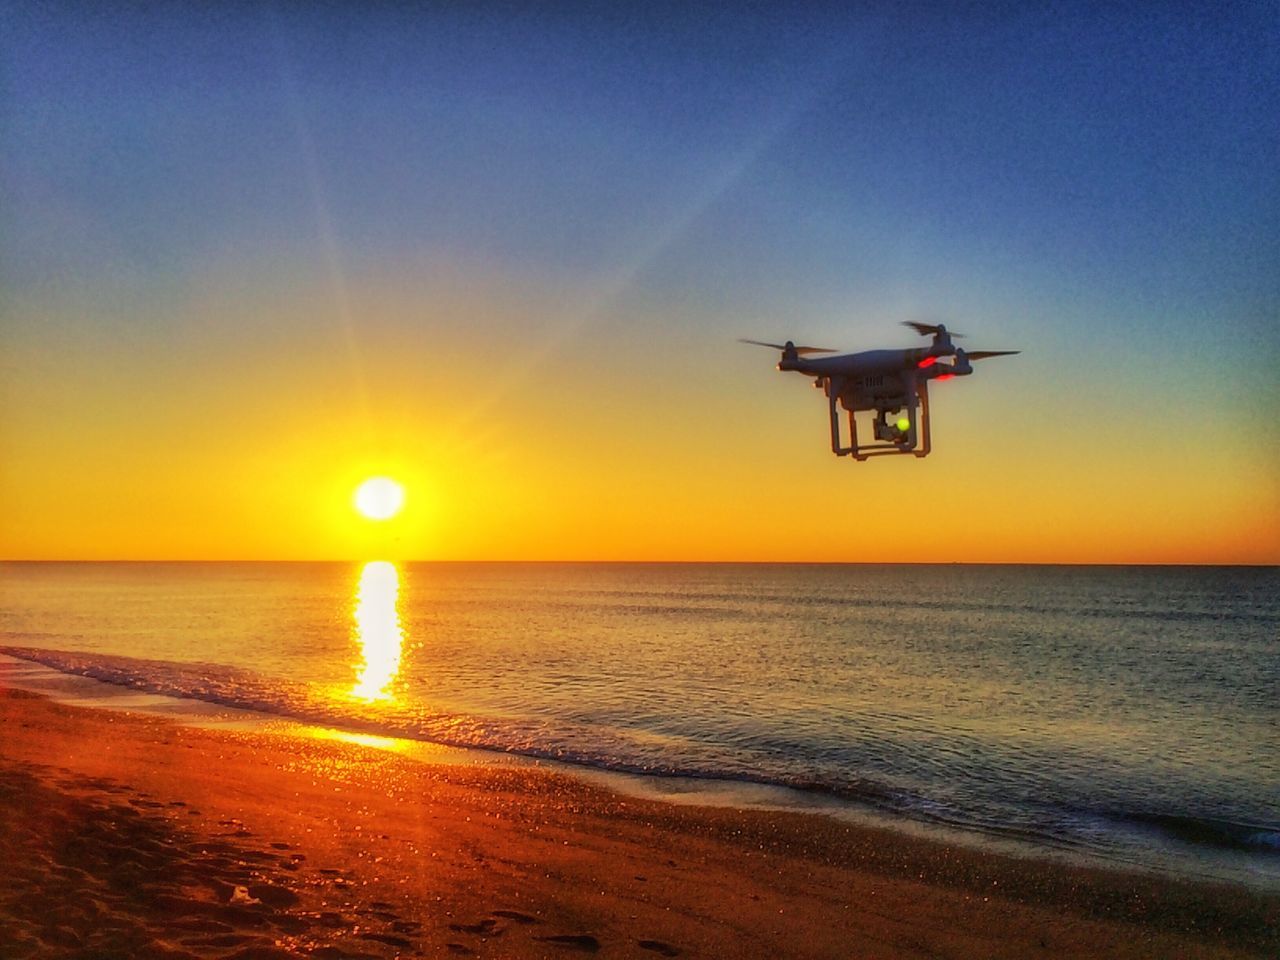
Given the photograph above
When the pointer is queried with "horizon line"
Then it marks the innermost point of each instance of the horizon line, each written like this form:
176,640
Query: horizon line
638,562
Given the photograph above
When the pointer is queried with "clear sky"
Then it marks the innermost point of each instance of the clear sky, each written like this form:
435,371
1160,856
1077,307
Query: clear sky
253,253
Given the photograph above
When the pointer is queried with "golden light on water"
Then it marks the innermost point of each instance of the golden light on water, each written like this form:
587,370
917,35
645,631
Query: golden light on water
379,498
378,630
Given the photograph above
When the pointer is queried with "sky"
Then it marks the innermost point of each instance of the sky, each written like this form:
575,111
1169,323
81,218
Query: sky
253,253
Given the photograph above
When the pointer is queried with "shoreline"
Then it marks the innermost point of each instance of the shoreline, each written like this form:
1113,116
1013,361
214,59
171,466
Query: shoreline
358,851
77,689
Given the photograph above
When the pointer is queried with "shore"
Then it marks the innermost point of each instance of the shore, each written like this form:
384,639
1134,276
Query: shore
127,835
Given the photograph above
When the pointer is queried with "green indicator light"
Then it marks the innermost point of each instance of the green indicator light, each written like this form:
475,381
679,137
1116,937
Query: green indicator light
903,424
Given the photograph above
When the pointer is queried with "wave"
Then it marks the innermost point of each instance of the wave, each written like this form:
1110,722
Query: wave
1209,832
645,753
623,751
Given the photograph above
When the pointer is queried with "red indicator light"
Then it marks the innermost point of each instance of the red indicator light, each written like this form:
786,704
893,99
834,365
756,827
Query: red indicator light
927,362
945,376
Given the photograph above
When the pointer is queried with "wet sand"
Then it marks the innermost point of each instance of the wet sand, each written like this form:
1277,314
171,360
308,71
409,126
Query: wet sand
126,835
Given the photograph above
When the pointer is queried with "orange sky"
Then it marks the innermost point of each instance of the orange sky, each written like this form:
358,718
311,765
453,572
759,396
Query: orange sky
529,437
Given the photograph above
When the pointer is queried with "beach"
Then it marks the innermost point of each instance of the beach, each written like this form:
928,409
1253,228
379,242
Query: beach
129,835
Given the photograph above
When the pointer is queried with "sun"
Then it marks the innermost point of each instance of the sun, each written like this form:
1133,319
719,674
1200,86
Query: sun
379,498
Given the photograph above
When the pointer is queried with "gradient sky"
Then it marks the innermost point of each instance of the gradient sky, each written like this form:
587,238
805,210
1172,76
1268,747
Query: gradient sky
252,254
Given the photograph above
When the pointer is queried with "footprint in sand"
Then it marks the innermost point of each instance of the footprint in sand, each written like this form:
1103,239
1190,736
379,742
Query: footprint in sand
482,928
226,940
389,939
201,925
576,941
333,953
657,946
273,896
336,954
515,915
217,846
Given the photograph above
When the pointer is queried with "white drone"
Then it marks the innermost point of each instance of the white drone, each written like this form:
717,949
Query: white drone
887,382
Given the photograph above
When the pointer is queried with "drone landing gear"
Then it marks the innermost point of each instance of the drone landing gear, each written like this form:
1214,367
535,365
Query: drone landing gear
887,427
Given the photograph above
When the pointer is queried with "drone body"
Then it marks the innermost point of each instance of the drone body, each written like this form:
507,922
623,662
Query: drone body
894,384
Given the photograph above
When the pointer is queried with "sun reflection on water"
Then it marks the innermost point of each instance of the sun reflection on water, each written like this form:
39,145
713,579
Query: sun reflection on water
377,630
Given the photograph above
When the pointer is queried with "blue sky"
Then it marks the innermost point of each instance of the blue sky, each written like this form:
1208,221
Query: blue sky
1095,186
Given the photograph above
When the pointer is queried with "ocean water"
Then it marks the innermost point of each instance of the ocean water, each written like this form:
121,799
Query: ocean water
1130,714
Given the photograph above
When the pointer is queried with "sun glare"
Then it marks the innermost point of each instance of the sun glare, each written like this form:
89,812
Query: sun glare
379,498
378,632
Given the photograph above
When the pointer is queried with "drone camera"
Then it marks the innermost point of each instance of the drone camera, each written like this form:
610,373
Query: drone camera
893,427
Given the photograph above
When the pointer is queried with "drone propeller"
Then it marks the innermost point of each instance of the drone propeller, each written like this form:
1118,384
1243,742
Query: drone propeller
788,346
930,329
983,354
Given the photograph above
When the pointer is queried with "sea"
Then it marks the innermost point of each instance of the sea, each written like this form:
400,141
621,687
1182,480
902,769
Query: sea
1128,715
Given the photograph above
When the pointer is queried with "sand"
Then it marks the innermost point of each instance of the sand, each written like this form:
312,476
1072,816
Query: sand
126,835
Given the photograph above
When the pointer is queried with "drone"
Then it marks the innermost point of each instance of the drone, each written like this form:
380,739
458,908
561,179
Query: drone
892,383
